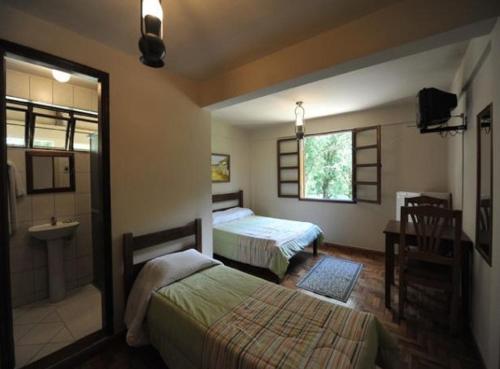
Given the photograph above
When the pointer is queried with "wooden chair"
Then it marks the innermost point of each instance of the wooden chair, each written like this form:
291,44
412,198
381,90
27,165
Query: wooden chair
427,200
425,264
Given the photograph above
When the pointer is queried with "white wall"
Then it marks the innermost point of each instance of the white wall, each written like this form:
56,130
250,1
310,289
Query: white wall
478,83
235,141
410,162
160,137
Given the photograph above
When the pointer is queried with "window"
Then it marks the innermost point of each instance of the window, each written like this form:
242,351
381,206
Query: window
16,125
327,171
41,126
343,166
84,131
50,129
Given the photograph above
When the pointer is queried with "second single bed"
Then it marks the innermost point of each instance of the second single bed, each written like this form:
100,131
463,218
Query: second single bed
270,243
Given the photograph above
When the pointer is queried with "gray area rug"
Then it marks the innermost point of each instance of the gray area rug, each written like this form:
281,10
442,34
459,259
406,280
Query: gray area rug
332,277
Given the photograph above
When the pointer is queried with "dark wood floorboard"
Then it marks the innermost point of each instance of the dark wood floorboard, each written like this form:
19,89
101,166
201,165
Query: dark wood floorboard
423,344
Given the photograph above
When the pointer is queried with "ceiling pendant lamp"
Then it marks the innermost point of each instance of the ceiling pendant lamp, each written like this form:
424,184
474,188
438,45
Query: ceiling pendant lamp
299,120
61,76
151,42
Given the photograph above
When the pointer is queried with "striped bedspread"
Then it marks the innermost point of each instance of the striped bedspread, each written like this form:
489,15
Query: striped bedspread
285,329
264,242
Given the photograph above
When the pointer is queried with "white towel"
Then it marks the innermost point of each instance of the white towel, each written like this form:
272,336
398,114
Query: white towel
16,188
19,184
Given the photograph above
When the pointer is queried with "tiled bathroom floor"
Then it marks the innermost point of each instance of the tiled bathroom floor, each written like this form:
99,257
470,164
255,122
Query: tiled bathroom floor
42,328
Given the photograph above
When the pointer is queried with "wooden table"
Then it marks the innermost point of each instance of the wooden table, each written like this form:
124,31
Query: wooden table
392,236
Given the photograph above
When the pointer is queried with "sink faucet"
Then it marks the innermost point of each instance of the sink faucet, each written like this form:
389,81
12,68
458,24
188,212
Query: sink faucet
53,221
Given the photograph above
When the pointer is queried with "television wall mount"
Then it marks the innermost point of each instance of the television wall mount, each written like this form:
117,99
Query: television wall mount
445,127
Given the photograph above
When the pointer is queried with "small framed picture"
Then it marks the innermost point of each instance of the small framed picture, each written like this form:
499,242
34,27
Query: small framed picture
221,170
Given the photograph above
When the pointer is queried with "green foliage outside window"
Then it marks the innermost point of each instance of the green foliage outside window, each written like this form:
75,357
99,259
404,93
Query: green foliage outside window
328,166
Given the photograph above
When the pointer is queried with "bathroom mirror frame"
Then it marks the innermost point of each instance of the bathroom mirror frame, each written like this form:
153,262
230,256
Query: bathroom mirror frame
484,213
30,180
72,354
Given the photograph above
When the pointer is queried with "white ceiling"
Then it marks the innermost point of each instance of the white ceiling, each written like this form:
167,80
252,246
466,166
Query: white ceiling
204,36
366,88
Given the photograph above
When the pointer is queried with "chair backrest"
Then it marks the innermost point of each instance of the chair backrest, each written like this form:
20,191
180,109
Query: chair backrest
429,224
427,200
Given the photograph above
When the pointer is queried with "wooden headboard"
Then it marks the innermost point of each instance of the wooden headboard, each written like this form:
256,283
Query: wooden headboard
132,243
222,197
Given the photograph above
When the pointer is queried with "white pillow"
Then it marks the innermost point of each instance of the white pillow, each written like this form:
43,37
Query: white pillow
230,215
158,273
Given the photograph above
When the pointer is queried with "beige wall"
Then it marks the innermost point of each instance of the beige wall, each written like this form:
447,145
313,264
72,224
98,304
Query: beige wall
160,138
411,162
478,83
228,139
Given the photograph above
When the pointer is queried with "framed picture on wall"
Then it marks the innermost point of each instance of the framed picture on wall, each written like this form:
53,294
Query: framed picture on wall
221,169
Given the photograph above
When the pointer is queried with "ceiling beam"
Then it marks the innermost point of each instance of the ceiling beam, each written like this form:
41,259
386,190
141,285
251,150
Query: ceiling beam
401,29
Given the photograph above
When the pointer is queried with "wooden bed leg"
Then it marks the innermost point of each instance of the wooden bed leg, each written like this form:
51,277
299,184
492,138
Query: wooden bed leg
315,247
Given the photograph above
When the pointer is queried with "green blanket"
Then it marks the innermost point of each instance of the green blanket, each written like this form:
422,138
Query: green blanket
183,317
264,242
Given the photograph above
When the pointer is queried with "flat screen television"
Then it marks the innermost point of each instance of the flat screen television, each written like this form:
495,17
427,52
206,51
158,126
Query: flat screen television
434,107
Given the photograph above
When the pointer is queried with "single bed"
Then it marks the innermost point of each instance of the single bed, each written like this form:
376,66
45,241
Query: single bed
240,235
221,318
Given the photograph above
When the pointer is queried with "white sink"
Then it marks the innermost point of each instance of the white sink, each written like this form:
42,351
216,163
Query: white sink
54,235
46,232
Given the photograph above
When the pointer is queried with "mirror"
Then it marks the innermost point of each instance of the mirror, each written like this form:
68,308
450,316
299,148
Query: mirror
50,171
484,183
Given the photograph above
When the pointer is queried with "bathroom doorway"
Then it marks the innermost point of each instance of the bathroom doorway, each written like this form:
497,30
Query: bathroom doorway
55,249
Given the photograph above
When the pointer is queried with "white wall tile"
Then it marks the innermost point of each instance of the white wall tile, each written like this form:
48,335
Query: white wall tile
21,259
43,206
84,266
23,288
70,273
82,162
82,182
82,202
23,209
82,98
41,89
70,249
41,281
39,254
18,84
64,204
62,94
18,157
20,236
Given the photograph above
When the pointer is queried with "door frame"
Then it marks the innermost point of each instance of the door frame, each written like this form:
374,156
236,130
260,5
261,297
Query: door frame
73,351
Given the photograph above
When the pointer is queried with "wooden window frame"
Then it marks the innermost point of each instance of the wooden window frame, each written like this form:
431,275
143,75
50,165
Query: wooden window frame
301,173
377,164
355,166
281,168
30,124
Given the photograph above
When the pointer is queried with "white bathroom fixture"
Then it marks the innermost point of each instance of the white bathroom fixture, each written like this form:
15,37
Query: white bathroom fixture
54,235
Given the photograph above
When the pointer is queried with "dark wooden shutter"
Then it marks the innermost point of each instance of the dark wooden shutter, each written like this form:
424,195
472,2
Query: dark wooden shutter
367,165
288,168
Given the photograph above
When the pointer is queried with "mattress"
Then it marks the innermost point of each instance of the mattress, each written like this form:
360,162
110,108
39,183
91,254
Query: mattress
188,323
264,242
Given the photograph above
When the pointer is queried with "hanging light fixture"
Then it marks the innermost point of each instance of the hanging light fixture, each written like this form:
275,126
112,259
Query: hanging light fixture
299,120
61,76
151,42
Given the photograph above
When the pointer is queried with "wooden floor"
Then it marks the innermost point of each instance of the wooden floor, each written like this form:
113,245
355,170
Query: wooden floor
422,343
